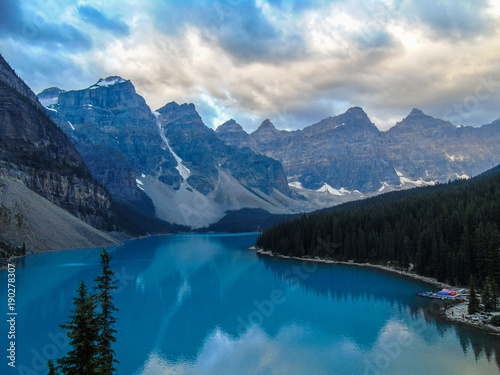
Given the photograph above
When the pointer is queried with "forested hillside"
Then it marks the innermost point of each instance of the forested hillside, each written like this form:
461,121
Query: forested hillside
448,232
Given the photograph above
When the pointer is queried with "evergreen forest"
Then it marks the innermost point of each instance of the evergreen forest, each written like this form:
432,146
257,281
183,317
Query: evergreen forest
449,231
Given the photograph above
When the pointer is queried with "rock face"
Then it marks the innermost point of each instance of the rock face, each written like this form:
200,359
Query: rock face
116,133
32,221
349,153
171,165
34,151
192,141
436,150
168,156
345,151
233,134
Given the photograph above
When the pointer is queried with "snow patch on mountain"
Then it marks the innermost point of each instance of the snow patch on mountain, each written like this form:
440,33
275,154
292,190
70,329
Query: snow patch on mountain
184,171
383,187
105,82
331,190
140,184
453,157
328,189
420,182
296,184
49,102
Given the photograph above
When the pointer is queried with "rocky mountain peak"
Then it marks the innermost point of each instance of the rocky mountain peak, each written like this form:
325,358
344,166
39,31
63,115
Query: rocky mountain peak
169,107
230,126
416,116
354,120
267,133
188,109
416,112
50,96
109,81
112,93
355,116
356,112
418,120
51,92
233,134
182,116
267,125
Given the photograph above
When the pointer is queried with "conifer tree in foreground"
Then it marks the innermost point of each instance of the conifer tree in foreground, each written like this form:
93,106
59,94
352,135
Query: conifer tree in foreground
105,319
52,369
82,330
90,328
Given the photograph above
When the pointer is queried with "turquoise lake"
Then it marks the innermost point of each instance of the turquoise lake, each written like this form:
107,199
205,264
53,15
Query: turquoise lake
205,304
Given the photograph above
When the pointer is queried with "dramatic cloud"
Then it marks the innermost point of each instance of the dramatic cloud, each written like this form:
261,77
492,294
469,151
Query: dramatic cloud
100,20
295,62
241,28
37,27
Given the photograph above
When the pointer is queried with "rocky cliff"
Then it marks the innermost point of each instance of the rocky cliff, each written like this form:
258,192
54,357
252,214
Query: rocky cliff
192,141
233,134
36,152
167,157
423,147
346,153
117,135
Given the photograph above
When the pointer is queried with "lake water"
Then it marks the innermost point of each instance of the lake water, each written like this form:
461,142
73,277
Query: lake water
205,304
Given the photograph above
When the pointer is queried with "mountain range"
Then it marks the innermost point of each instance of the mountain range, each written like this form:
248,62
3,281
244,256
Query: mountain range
348,152
168,164
76,163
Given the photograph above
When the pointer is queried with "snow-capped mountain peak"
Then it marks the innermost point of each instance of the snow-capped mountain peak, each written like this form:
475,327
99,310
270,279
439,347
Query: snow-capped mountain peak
109,81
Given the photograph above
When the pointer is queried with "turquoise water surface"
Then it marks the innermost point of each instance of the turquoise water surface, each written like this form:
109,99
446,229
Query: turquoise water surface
205,304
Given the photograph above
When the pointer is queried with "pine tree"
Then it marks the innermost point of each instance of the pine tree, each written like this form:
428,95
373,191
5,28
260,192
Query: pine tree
494,294
52,369
489,296
486,296
82,330
473,300
105,319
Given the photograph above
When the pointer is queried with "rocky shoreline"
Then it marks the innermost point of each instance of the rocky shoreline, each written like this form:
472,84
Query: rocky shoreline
455,313
459,314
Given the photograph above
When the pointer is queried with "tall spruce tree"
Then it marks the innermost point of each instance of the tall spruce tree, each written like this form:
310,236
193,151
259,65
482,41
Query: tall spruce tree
489,295
52,368
82,330
474,305
486,296
494,294
105,319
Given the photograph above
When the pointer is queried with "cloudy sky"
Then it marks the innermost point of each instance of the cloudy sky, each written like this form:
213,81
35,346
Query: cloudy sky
295,62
